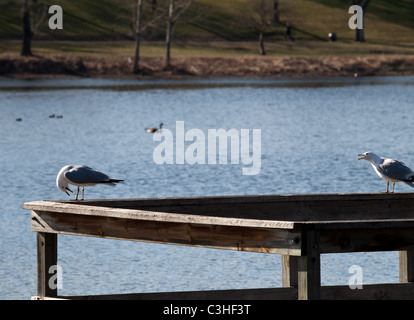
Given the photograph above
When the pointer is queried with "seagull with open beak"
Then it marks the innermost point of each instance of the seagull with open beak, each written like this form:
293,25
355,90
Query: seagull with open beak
390,170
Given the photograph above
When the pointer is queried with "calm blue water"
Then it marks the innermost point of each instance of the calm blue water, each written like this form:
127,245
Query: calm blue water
312,131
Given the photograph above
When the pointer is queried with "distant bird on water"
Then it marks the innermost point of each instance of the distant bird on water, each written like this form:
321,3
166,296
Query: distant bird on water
81,176
390,170
152,130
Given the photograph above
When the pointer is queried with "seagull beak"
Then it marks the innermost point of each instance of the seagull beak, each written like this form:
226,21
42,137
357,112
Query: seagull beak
67,189
362,156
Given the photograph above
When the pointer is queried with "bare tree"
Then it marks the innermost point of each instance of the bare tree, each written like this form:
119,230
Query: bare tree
138,25
31,26
175,11
275,11
153,18
27,30
260,15
169,31
137,36
359,35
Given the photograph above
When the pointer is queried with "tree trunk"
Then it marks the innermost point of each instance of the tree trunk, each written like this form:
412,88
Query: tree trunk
169,30
359,33
359,36
261,43
275,11
27,31
137,37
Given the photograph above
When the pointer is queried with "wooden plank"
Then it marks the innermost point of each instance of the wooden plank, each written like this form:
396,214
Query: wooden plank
309,267
235,294
243,199
46,257
363,240
289,271
279,211
262,240
388,291
406,266
84,210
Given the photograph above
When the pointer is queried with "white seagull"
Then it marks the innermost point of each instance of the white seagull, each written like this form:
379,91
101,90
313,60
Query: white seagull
390,170
81,176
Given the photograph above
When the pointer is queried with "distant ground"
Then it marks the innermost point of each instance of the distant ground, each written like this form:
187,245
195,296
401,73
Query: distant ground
385,21
113,59
212,38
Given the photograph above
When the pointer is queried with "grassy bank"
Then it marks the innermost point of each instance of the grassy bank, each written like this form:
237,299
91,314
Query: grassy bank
208,66
207,59
212,48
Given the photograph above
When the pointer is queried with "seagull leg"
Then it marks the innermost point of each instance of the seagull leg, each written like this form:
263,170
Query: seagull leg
83,191
393,186
77,193
388,184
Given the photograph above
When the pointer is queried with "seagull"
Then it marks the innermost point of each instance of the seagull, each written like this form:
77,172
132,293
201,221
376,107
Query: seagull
152,130
81,176
390,170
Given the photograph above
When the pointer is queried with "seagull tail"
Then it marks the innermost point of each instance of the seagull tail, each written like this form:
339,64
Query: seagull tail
116,181
112,182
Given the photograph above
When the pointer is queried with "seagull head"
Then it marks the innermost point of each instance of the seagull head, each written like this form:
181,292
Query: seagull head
62,182
365,156
369,156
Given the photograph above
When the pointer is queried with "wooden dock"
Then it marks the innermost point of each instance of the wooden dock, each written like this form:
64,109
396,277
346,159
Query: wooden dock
299,227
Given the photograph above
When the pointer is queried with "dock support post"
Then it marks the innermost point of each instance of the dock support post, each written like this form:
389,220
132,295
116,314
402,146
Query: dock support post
289,271
406,266
46,257
309,267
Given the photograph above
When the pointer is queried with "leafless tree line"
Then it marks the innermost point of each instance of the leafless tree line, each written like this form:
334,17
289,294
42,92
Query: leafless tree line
175,10
259,14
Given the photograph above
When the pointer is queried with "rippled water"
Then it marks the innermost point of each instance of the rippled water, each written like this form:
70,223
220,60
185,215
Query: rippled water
311,133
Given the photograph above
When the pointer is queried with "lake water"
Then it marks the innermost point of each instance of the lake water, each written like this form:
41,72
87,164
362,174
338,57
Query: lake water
311,133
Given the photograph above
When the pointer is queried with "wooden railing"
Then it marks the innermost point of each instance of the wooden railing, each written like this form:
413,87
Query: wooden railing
299,227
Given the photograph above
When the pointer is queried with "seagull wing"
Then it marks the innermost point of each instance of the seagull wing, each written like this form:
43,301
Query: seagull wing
86,175
396,170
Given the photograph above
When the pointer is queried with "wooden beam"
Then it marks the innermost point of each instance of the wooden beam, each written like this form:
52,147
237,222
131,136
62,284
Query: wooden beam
386,238
46,258
263,240
328,211
384,291
232,294
406,266
387,291
309,267
289,271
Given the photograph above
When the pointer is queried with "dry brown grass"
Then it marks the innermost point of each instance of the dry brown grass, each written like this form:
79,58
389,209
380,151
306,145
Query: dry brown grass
248,66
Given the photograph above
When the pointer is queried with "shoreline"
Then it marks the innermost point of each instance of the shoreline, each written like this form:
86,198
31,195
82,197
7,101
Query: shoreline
207,67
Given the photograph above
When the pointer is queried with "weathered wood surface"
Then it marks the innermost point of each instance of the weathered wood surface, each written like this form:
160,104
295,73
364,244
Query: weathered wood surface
264,240
300,227
387,291
309,268
332,211
271,223
46,257
406,266
232,294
